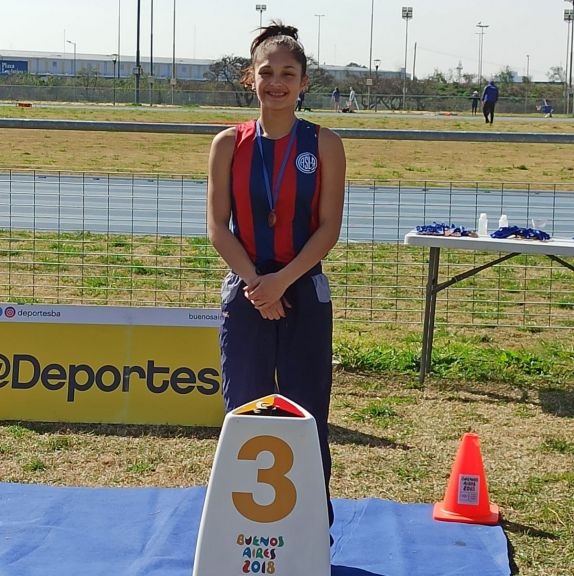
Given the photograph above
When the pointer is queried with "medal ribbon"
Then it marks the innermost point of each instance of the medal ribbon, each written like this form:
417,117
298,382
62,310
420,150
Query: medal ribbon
272,197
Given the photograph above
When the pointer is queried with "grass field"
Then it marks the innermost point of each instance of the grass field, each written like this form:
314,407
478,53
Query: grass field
177,154
390,437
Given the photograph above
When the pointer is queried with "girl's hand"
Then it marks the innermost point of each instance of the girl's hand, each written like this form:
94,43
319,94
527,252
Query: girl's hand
265,291
275,311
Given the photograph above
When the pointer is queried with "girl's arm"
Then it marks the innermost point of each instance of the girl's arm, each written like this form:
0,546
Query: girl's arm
219,207
272,286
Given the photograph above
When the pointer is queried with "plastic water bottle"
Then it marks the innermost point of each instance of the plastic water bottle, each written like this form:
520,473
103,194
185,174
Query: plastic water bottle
483,225
503,221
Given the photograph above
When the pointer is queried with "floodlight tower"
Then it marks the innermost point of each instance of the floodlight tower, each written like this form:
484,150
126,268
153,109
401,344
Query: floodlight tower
407,15
260,8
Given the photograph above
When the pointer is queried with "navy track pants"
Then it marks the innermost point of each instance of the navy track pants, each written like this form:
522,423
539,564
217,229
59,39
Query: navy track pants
291,356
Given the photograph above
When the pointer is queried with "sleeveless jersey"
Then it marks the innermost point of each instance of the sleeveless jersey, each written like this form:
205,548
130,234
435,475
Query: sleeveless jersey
297,208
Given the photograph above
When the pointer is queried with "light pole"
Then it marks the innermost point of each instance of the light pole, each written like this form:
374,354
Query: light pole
482,27
173,80
407,15
260,8
377,63
151,77
74,45
568,17
570,27
74,70
119,36
114,60
319,16
369,79
527,81
137,69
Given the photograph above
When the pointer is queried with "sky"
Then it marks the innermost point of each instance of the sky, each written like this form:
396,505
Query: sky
523,34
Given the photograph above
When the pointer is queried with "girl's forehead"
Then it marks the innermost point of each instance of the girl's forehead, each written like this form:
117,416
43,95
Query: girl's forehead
276,56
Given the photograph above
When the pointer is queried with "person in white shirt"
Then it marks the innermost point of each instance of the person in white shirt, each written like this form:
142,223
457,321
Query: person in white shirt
352,100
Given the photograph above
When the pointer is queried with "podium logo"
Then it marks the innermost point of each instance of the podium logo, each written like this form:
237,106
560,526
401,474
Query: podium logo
25,371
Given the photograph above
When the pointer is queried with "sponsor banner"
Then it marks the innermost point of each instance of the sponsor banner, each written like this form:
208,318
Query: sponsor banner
13,66
117,315
110,364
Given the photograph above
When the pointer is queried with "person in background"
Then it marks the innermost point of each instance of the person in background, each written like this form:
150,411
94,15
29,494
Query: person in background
489,100
352,100
336,98
475,98
300,100
280,181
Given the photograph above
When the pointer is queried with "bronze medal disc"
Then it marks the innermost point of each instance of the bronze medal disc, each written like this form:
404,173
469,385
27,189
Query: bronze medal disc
272,219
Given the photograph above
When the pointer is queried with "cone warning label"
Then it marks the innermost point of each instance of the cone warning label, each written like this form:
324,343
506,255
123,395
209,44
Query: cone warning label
468,489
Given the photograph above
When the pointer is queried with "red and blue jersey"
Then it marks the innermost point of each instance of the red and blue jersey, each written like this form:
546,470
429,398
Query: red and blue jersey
297,208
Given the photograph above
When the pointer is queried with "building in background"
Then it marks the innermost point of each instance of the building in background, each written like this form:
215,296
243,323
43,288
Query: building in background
64,64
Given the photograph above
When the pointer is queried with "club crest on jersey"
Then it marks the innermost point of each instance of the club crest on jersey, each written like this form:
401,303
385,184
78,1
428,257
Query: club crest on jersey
306,163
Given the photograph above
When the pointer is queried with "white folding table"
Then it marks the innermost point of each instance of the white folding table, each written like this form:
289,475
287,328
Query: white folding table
553,248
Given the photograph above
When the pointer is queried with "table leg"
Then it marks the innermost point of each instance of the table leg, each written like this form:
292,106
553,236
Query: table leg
430,307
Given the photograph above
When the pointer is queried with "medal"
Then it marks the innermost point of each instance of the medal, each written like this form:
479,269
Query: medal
271,218
273,196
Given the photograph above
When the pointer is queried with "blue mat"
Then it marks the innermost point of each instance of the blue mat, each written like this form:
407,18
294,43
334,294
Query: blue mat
61,531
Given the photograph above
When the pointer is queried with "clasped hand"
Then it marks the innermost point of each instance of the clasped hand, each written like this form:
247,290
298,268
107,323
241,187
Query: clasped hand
266,294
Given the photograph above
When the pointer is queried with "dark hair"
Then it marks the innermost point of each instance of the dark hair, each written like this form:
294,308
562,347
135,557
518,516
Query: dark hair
276,34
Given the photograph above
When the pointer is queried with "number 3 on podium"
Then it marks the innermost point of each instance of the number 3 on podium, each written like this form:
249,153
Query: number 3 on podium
285,492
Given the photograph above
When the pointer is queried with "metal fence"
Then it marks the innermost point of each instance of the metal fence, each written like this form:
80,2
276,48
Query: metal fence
126,239
164,94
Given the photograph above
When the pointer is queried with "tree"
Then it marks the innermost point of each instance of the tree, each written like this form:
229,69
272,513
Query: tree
437,76
319,79
505,76
556,74
89,80
230,70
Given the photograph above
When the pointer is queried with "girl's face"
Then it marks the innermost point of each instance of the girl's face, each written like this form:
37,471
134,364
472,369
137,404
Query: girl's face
278,79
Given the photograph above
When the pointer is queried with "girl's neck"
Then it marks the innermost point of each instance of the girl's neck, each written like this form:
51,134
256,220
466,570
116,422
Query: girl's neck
274,125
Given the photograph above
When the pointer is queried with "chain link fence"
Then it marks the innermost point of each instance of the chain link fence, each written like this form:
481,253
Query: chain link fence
163,94
141,240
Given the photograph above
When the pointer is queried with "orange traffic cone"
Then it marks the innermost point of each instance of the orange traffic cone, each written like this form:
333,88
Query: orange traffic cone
466,497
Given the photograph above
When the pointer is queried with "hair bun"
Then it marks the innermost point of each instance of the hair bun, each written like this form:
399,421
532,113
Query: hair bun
280,29
276,28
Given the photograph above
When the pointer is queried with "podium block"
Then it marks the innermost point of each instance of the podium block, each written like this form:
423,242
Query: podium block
265,510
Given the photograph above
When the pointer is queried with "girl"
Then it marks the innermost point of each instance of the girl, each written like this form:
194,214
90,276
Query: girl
281,182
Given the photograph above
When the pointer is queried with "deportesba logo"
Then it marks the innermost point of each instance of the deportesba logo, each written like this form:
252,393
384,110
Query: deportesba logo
24,371
306,162
9,312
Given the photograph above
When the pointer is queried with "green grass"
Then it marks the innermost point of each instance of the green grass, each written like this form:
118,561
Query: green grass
498,369
141,468
34,466
558,445
455,359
